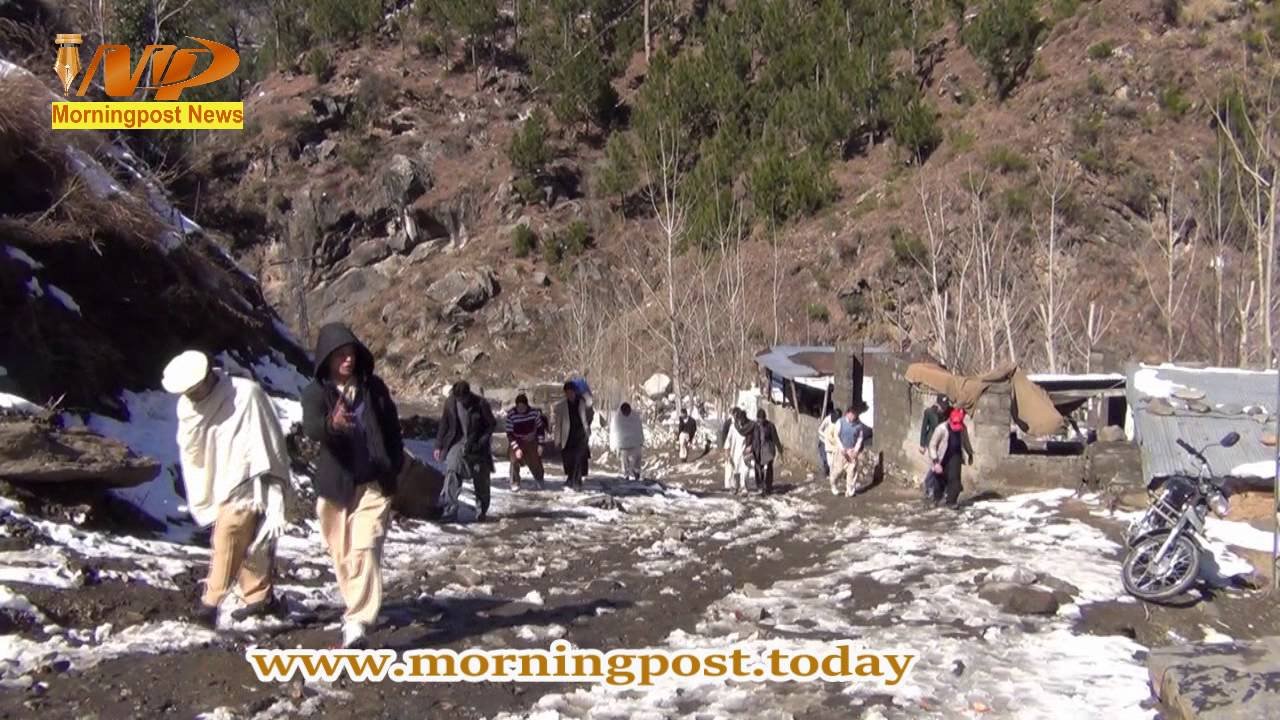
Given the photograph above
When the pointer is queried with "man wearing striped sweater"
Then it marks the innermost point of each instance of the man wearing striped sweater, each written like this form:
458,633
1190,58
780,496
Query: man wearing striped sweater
526,431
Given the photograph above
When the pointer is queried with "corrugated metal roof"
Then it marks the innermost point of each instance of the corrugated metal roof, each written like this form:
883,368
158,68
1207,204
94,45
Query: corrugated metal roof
778,359
1227,392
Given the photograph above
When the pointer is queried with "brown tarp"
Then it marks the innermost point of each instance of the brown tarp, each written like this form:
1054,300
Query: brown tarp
1033,410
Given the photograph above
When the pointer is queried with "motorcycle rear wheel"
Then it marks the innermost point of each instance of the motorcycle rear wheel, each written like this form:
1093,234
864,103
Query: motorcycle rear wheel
1175,575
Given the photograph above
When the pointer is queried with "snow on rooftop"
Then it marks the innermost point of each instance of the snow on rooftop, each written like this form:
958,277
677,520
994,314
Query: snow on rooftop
1082,377
1146,382
18,404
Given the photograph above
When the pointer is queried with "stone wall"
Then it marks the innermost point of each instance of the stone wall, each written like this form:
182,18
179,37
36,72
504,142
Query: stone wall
798,433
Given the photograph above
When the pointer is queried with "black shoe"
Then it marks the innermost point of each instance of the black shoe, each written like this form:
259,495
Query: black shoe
270,607
482,515
206,616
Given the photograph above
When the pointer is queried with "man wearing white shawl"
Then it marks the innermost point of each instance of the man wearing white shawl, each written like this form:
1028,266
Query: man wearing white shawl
234,467
626,437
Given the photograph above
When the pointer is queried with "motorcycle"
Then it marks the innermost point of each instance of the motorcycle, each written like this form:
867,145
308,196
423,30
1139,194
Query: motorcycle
1165,545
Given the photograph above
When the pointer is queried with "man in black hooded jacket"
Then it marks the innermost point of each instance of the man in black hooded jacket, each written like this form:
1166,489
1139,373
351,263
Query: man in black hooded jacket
463,440
348,410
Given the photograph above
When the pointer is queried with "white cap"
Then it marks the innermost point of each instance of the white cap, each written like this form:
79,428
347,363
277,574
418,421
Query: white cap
185,372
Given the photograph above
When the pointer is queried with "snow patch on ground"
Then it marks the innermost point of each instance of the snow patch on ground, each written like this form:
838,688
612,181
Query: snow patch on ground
1239,534
19,656
17,254
1019,667
63,298
1259,469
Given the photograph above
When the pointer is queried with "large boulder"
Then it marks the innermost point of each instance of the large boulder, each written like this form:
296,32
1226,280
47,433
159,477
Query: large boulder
32,452
658,386
403,181
369,252
343,298
1218,681
1020,599
464,290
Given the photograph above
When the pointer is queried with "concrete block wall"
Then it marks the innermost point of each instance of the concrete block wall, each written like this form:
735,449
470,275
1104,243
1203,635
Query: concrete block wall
799,434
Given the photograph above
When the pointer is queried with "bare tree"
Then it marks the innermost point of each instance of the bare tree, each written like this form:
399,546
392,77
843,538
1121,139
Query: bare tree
1094,326
1055,297
1249,127
584,325
999,304
1221,215
944,281
1174,245
654,284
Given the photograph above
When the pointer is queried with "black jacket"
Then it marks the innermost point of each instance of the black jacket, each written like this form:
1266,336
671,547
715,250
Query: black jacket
933,417
688,426
342,463
765,445
480,424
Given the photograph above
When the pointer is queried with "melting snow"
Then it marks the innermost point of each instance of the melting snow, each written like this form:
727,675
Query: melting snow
1239,534
63,298
20,656
1259,469
1148,383
22,257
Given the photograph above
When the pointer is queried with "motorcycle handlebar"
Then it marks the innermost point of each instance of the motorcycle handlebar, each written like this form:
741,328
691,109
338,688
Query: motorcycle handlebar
1193,452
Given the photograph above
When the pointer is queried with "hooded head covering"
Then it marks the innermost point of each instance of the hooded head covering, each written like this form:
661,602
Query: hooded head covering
334,336
185,371
956,419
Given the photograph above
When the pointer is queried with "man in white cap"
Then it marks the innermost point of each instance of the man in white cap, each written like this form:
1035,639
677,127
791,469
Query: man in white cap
235,467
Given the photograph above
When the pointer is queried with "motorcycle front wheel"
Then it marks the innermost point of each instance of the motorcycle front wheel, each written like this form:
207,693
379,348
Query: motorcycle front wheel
1173,575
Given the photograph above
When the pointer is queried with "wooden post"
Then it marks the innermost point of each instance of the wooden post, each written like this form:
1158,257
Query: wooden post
795,400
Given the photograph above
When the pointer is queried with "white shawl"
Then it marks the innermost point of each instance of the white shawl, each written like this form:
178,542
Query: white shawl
229,437
626,432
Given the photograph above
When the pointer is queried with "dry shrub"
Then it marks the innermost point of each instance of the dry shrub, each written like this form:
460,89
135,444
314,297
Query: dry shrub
1202,13
25,135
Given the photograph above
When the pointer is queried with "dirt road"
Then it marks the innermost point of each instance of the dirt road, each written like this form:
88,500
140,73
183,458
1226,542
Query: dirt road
674,564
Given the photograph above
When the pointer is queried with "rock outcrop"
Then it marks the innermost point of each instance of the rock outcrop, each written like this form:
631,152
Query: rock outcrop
1218,681
35,453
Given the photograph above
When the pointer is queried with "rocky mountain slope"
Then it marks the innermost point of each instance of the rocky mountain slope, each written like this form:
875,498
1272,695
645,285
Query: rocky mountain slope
391,180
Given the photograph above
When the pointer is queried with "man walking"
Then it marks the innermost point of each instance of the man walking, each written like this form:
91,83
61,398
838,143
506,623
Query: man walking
934,415
827,440
235,468
626,437
348,410
735,439
572,417
765,447
948,449
851,435
526,431
464,440
686,429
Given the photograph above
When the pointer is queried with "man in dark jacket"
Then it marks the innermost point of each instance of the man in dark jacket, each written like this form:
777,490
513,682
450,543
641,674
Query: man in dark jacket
686,430
348,410
765,448
466,431
934,415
